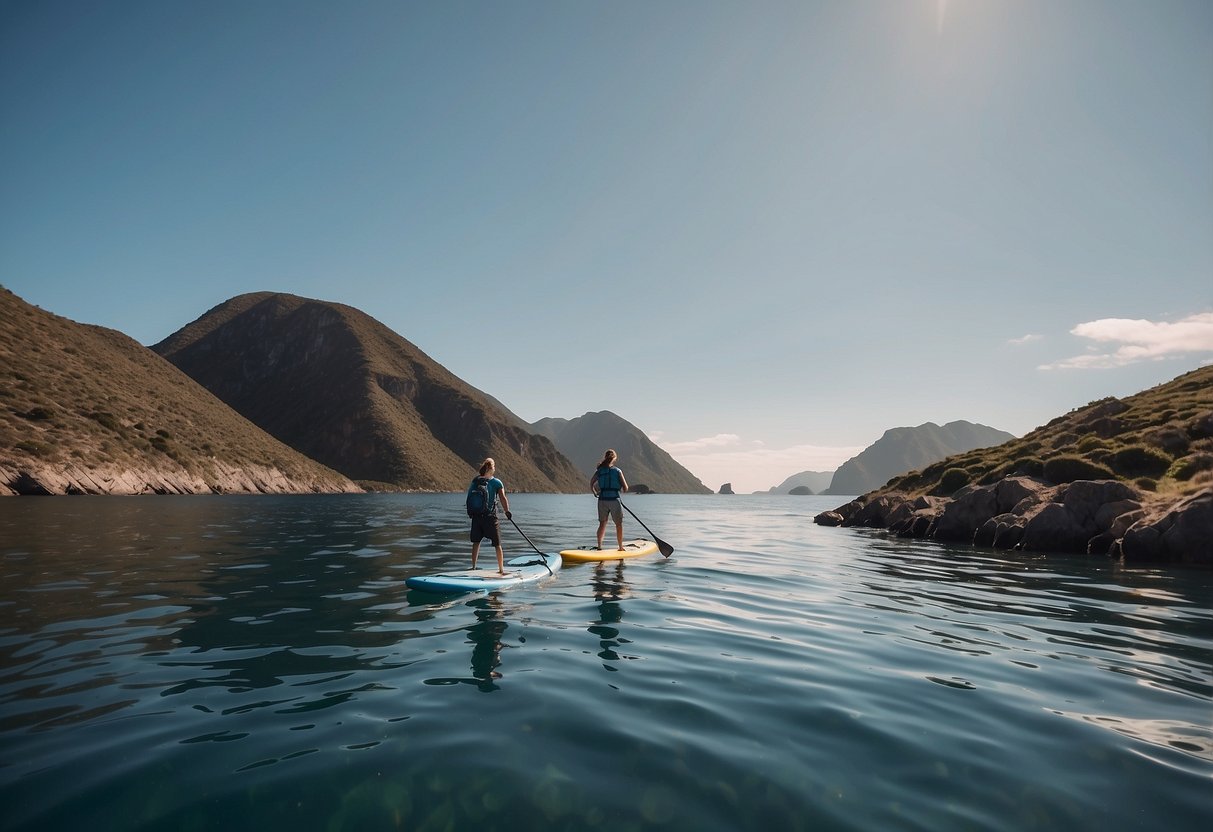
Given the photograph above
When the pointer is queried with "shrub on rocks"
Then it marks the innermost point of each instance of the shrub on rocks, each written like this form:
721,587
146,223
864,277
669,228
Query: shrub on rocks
953,480
1140,461
1063,469
1188,467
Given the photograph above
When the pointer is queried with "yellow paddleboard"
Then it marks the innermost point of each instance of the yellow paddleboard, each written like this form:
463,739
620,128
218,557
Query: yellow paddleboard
631,549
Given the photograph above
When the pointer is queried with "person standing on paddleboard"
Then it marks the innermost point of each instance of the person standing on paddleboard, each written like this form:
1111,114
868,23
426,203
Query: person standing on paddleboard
607,484
482,496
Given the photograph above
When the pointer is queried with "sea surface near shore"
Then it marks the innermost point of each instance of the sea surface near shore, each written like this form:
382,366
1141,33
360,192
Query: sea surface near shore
257,662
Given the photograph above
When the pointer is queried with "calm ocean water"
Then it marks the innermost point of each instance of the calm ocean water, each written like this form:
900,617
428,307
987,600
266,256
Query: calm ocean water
234,663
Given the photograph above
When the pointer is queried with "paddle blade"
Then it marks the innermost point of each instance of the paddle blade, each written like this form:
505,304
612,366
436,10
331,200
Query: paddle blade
663,547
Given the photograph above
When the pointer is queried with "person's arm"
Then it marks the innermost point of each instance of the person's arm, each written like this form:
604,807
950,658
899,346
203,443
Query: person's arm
594,483
505,503
623,482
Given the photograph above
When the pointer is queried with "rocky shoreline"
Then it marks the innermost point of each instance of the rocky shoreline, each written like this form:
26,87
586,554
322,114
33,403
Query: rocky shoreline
222,478
1094,517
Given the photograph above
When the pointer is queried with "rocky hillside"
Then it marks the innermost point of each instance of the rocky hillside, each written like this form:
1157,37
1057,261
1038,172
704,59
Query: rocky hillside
87,410
584,439
907,449
1130,478
339,386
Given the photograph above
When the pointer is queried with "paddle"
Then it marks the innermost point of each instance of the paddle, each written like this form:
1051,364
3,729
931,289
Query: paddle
665,548
533,546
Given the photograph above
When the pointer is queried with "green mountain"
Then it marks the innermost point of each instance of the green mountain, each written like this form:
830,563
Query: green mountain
907,449
342,388
87,410
584,439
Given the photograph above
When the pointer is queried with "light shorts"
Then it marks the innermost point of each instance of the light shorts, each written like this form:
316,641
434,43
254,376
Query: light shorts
610,508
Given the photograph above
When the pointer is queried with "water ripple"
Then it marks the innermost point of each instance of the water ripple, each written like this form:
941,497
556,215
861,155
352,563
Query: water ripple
246,663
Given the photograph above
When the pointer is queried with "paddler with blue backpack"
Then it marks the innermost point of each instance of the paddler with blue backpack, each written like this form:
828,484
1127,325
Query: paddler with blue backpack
482,496
607,483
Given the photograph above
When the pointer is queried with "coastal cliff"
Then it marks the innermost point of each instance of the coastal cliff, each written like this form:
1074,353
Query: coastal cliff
1129,479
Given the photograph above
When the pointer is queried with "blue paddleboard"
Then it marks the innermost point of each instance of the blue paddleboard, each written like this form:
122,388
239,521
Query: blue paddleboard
519,570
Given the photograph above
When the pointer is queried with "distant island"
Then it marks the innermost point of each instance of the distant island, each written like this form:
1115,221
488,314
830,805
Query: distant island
815,481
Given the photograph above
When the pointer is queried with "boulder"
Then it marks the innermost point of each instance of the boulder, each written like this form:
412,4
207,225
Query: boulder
1009,534
877,512
828,518
1183,533
1003,531
972,506
1085,499
1055,529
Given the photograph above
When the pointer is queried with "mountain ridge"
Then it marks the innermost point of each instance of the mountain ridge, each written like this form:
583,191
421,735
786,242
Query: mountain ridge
903,449
341,387
584,439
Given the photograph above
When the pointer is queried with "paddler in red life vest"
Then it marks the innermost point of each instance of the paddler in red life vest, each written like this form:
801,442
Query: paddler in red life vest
607,483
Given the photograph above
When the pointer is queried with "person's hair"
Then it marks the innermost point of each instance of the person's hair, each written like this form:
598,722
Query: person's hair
607,458
486,465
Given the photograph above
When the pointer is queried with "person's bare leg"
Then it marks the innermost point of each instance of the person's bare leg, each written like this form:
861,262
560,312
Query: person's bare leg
475,552
500,560
601,531
619,533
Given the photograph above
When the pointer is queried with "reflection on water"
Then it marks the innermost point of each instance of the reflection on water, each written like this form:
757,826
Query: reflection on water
609,587
487,636
244,663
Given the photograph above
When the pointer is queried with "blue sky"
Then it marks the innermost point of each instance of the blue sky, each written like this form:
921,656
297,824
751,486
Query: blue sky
762,232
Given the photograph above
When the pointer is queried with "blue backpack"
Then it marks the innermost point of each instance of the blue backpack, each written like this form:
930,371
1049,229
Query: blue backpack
478,502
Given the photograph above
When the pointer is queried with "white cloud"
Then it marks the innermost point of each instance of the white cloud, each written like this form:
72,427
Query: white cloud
1026,339
749,464
720,440
1139,340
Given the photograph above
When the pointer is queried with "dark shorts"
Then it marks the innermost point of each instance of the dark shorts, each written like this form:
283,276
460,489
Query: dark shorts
610,508
485,526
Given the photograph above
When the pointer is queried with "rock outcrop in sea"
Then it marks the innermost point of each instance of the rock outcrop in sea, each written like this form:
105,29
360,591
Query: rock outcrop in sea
1130,479
1092,517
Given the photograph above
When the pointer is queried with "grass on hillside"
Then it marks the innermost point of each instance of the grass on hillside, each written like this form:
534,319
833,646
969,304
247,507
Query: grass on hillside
76,393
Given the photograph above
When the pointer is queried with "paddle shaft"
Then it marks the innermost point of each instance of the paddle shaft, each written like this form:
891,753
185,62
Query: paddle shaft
533,546
665,548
